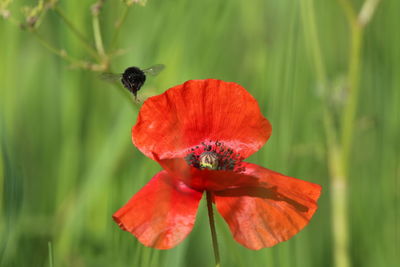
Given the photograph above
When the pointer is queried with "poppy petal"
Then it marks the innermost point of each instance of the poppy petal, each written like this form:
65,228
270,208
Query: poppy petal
161,214
275,211
197,111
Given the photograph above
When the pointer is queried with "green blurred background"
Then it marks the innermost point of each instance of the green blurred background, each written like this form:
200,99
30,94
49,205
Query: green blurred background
67,162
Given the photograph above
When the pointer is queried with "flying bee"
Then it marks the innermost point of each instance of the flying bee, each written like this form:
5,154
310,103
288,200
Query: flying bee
133,78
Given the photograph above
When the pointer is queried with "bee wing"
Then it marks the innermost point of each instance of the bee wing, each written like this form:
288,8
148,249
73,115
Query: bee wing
110,77
154,70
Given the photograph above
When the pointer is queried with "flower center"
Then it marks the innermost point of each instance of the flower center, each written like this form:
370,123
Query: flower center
214,156
208,160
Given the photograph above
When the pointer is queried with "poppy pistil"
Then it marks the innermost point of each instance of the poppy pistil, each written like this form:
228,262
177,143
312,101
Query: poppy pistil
209,160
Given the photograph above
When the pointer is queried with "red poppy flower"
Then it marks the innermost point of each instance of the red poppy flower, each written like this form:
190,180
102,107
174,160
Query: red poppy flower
200,132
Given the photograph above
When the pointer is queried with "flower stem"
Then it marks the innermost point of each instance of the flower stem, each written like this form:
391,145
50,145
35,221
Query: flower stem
60,52
341,156
86,44
118,26
51,257
98,40
212,227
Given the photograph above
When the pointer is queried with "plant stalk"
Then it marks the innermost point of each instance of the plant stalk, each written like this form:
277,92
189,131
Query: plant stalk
213,231
98,40
88,46
118,26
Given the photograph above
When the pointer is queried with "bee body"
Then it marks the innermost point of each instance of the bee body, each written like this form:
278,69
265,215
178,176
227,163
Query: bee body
133,78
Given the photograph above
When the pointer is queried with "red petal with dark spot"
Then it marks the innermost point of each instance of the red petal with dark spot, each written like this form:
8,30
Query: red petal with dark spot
262,216
161,214
196,111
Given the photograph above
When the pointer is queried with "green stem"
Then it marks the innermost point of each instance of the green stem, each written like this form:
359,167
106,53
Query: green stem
338,194
59,52
367,11
339,149
51,257
336,166
212,227
63,54
349,113
86,44
118,26
98,40
348,11
308,15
